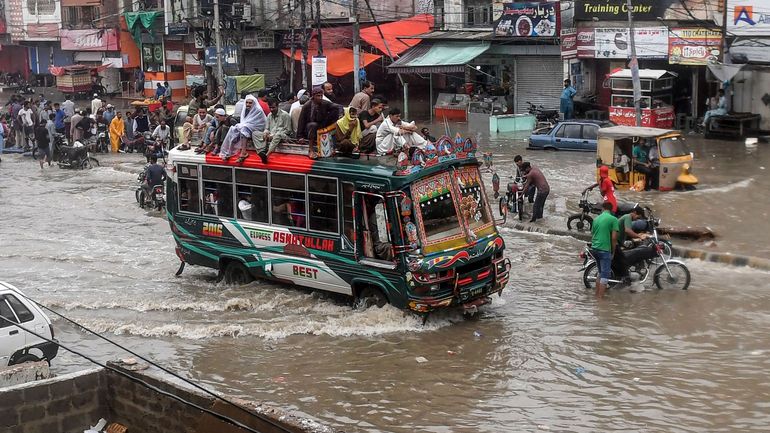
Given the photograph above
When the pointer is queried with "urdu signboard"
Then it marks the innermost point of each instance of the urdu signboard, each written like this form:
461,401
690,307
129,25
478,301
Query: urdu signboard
529,19
614,43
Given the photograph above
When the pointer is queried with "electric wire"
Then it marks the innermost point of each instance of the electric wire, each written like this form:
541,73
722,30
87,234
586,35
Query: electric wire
149,361
142,382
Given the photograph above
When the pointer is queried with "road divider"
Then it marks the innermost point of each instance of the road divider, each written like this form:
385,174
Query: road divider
678,251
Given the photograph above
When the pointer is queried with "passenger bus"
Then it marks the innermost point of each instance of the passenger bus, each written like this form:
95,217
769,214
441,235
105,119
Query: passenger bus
419,235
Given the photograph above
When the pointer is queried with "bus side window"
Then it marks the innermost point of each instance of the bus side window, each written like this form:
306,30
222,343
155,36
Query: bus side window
288,194
218,191
187,189
251,192
324,210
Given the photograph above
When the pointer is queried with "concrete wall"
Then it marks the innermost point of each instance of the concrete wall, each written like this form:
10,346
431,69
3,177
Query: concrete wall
69,403
750,87
24,373
73,402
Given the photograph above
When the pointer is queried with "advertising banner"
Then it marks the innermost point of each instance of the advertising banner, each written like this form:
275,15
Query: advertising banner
617,10
258,41
614,43
524,20
694,46
586,44
89,40
748,17
318,70
147,50
569,43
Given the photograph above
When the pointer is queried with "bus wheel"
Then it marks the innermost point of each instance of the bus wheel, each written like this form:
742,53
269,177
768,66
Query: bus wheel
370,296
237,274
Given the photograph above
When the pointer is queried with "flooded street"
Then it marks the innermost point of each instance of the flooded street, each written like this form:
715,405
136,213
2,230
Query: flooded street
544,356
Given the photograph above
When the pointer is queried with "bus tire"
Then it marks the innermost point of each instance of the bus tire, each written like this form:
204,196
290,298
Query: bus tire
370,296
237,274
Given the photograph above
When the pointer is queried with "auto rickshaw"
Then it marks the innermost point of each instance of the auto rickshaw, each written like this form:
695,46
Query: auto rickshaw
614,149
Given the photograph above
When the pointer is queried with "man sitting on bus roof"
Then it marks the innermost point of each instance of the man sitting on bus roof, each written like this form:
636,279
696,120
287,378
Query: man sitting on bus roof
278,129
315,115
252,119
393,134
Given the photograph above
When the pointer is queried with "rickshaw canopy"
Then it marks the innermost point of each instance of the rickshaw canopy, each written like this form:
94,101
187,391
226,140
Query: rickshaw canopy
620,132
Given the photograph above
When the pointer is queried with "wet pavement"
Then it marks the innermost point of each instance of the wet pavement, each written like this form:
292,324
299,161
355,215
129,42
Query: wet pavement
544,356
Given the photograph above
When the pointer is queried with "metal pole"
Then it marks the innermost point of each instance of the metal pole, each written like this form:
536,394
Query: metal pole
356,48
291,60
430,105
218,38
303,24
634,64
406,101
318,27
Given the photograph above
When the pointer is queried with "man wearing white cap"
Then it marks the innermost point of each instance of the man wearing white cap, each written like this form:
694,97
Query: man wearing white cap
96,103
296,107
109,113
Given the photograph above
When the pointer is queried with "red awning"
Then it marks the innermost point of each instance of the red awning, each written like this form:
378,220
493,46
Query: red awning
339,61
415,25
58,71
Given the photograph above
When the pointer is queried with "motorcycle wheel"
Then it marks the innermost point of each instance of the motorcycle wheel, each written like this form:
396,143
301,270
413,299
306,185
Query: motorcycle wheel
678,278
503,208
141,198
520,209
591,273
137,195
93,162
580,222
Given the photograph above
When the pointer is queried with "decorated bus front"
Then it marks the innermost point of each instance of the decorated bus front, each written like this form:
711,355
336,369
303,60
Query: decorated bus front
455,255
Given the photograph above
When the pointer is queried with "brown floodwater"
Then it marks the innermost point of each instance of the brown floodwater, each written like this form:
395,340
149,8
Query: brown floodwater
544,356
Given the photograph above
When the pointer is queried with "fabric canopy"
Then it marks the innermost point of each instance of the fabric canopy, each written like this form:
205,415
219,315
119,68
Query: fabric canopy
393,31
439,58
339,61
146,19
58,71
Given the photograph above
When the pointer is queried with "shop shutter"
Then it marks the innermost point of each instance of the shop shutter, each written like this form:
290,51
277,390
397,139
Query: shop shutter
269,63
540,80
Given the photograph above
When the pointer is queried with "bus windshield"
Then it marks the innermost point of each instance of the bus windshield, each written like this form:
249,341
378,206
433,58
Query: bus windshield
473,206
434,199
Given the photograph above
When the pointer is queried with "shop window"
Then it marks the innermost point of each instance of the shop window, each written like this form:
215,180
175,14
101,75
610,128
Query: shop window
41,7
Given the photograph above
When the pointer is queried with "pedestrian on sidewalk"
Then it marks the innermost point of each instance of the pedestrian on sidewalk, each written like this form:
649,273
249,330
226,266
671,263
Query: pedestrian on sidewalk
535,177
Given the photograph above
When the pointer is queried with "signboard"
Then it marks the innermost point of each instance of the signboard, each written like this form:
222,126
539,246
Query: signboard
617,10
662,117
229,56
89,40
748,17
569,43
258,41
147,50
586,44
318,70
614,43
157,53
693,46
525,20
177,29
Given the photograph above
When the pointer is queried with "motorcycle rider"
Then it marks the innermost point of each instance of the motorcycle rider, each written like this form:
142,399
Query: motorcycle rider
626,230
155,175
606,188
161,134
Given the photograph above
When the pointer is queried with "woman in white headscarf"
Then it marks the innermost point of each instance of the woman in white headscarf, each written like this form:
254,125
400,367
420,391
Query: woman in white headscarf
252,119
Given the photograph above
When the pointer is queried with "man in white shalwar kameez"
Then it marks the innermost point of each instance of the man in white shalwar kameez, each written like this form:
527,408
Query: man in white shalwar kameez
252,119
393,134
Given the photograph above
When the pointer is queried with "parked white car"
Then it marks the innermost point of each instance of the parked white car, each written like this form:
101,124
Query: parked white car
16,345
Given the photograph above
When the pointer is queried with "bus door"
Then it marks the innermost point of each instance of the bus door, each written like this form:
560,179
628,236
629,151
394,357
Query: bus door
372,243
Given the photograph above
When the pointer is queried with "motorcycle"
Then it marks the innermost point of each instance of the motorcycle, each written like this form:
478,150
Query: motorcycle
26,89
513,200
545,117
102,141
653,253
154,147
75,156
157,198
584,221
277,91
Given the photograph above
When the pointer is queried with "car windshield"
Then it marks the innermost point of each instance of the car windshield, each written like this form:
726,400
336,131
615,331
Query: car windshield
673,146
435,204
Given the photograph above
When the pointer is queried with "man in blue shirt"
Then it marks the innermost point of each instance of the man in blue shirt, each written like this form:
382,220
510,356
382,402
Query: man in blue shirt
59,118
566,106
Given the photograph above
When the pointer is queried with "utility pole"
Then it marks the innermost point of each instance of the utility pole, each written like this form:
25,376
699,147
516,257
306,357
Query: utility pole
634,64
356,48
218,38
318,27
303,24
387,49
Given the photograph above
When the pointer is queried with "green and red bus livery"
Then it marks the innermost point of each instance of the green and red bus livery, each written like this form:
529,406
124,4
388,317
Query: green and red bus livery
418,234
